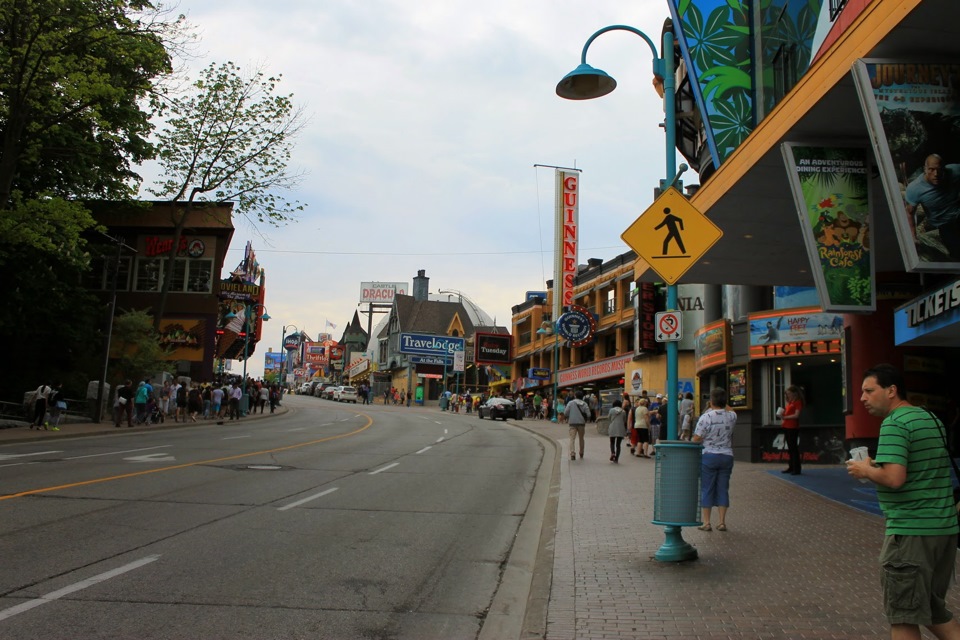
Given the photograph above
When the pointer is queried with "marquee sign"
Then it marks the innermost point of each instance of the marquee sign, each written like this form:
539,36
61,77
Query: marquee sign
492,348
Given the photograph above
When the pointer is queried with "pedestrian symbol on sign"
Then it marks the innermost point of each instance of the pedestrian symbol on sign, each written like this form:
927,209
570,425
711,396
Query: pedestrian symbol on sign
671,222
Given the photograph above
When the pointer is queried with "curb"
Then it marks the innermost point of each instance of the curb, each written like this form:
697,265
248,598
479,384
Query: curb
519,608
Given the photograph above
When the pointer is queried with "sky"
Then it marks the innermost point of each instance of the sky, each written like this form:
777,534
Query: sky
424,122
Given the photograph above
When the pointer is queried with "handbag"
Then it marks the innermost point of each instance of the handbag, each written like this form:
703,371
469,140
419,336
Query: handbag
956,490
121,400
61,405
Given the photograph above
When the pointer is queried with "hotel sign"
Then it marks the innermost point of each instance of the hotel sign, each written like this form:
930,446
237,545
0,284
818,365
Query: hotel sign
428,345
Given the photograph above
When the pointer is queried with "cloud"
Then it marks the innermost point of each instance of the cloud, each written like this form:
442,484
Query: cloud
425,121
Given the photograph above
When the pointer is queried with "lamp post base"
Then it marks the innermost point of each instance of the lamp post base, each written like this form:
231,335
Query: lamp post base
674,547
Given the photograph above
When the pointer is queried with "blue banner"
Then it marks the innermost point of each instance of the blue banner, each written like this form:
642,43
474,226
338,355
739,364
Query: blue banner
427,345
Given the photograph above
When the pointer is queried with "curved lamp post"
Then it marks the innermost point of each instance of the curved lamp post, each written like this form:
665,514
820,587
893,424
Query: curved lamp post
584,83
548,328
283,350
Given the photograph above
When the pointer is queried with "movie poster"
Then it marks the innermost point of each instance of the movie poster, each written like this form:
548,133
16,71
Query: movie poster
831,188
911,110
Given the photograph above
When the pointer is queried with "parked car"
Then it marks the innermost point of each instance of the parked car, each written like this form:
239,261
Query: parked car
304,388
328,392
320,388
345,394
494,408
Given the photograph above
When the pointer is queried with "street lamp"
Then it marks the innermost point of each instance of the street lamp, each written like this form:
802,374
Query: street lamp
584,83
548,328
248,309
283,349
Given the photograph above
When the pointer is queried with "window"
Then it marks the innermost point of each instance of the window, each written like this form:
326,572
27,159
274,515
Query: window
784,70
610,345
524,338
610,304
148,274
100,276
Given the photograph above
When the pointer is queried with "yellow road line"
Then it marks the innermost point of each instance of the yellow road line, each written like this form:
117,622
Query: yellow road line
188,464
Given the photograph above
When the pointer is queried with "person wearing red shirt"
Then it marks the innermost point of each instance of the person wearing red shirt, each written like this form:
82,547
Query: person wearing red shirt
791,428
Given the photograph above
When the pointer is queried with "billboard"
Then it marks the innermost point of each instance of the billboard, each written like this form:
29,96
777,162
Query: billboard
271,361
492,348
831,192
427,345
911,110
382,292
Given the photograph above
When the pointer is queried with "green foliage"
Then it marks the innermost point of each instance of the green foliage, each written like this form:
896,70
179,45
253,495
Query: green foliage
135,348
73,76
229,138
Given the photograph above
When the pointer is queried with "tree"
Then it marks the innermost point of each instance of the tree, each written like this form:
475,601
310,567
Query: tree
227,139
74,76
136,347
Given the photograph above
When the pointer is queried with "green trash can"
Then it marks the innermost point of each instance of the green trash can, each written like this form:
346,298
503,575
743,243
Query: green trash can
677,495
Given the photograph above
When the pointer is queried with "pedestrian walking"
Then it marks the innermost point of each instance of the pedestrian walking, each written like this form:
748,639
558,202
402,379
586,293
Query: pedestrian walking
57,403
715,431
123,404
686,416
576,413
40,407
912,474
233,405
617,428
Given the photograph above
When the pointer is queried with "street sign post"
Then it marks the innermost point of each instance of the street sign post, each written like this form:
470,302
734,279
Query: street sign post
671,235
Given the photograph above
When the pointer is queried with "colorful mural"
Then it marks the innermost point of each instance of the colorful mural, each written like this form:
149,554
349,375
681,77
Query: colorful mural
721,52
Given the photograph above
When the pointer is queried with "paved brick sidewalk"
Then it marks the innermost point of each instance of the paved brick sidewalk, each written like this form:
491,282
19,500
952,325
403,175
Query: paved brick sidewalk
792,565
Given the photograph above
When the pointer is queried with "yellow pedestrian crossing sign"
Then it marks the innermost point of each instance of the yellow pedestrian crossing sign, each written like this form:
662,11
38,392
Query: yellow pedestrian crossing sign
671,235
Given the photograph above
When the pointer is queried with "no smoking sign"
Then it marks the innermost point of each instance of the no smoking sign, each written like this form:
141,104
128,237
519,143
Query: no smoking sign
668,326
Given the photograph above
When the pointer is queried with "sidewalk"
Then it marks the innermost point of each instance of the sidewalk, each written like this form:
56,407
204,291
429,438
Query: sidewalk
798,561
794,563
21,431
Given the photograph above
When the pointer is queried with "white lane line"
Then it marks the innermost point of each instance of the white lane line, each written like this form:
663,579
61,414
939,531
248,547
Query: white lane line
424,450
307,499
77,586
389,466
440,439
113,453
235,437
438,422
11,456
297,429
446,431
16,464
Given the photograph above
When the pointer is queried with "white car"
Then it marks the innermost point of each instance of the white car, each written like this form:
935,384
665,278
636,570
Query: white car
345,394
305,388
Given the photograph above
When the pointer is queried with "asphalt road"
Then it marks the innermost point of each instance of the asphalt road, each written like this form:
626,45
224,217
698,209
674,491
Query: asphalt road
333,521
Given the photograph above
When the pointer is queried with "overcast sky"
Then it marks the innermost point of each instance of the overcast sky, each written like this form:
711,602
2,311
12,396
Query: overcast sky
425,121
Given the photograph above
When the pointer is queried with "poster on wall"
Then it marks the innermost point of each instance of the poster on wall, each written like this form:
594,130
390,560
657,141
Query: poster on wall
738,387
801,333
830,188
911,110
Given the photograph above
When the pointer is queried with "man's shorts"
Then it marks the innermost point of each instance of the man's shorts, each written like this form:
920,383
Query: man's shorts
916,573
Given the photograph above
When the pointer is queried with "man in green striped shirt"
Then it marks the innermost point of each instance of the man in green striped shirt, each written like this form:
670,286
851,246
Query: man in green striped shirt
915,489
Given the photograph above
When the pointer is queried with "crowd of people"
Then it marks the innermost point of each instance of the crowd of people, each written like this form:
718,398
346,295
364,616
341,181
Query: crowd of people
144,403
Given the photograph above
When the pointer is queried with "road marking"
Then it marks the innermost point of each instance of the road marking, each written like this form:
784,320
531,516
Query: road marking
77,586
297,429
235,437
114,453
441,439
151,457
424,450
11,456
446,431
307,499
438,422
16,464
389,466
187,465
